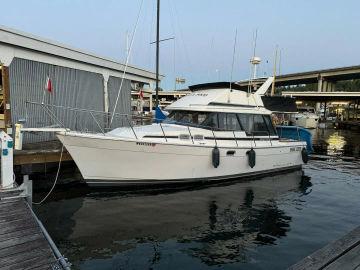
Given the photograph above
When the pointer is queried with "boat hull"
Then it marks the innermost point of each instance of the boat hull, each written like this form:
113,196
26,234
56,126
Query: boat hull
105,161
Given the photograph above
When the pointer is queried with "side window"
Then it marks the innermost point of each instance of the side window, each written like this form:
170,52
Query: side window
246,121
269,125
232,122
211,121
260,128
222,121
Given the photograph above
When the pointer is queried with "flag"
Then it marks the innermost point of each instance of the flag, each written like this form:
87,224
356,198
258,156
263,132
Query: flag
48,85
141,94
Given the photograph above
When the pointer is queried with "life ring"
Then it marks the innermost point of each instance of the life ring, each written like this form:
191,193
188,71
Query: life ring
216,157
304,155
251,157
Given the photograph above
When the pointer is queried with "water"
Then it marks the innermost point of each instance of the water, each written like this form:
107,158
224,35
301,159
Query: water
268,223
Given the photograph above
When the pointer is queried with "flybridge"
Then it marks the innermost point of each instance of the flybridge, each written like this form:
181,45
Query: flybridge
216,85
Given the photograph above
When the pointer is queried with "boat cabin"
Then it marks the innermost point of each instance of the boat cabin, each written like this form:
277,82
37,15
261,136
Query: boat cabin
252,124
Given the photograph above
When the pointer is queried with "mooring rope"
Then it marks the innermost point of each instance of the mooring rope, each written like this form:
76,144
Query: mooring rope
56,178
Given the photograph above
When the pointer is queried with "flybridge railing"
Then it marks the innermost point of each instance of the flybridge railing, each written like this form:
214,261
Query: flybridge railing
78,119
93,121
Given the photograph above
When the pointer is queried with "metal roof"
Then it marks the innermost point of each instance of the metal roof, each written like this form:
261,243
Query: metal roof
31,42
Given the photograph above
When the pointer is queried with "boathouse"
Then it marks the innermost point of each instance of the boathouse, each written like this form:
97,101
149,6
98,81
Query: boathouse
37,70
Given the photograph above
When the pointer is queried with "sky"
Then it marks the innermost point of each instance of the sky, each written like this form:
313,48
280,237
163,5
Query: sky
311,34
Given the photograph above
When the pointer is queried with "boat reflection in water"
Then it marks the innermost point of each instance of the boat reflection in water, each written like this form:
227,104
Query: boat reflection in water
215,224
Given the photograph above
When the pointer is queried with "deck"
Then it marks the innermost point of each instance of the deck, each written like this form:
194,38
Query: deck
343,254
23,244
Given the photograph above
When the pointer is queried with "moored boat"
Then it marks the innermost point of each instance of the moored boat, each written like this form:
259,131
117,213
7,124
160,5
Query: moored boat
217,132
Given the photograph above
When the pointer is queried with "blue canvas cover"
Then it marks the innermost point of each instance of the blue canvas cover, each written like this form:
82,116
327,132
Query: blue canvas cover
159,115
296,133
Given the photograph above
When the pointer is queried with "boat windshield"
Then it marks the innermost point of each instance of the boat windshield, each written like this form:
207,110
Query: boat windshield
252,124
187,117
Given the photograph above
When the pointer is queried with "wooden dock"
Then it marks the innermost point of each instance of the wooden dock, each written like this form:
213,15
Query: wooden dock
40,153
23,242
342,254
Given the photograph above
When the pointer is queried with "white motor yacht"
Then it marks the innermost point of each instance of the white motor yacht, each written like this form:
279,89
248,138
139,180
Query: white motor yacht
306,117
217,132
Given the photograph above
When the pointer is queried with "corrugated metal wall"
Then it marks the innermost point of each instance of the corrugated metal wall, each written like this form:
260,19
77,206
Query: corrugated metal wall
124,103
71,88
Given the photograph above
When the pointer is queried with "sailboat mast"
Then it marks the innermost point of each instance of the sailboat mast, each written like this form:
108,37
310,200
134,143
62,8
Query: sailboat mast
157,52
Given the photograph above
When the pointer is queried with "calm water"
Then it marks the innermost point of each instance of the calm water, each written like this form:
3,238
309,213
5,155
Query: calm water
268,223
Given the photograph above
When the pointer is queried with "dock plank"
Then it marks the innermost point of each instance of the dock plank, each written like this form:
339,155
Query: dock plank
22,242
349,261
330,253
21,233
31,263
20,257
23,247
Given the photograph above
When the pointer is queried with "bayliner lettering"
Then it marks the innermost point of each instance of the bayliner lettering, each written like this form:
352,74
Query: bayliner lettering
146,144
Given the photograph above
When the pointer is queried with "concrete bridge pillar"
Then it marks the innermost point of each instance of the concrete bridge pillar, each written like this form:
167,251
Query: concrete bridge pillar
320,89
320,83
324,86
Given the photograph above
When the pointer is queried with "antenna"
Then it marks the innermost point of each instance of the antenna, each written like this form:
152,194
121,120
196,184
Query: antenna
279,70
233,60
275,65
254,61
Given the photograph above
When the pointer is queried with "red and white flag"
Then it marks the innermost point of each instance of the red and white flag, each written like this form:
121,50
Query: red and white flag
141,94
48,85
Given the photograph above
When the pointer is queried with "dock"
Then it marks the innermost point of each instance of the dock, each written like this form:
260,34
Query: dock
24,242
343,254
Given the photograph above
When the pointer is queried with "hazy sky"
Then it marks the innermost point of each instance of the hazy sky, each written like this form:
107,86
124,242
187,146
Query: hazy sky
312,34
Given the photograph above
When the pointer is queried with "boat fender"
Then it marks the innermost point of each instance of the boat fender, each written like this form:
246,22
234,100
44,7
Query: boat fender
216,157
251,157
304,155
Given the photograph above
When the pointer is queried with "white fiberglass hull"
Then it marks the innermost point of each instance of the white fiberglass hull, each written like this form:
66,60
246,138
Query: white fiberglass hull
307,121
107,161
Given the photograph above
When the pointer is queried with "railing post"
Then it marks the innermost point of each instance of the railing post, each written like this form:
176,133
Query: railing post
235,139
92,115
298,133
163,132
190,134
212,129
127,118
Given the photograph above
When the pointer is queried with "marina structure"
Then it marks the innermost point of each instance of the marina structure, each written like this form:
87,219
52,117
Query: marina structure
34,69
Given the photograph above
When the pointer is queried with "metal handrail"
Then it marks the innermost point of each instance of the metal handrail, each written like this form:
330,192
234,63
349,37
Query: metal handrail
136,117
192,139
163,132
97,123
237,145
131,127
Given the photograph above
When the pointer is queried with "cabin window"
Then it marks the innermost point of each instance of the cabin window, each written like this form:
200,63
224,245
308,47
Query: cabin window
211,121
252,124
260,127
269,125
228,121
186,117
256,124
222,121
246,121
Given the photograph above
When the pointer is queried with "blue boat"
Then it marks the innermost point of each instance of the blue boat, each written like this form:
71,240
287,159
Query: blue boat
296,133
